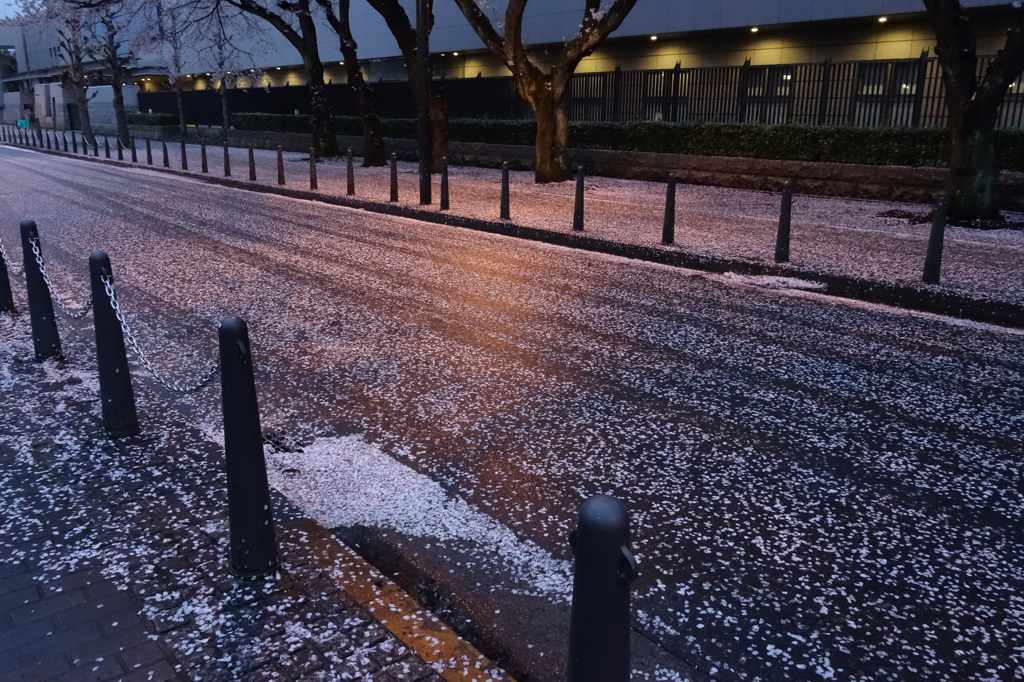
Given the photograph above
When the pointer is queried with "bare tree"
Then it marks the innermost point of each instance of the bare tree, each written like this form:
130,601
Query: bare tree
114,19
373,136
405,34
973,104
547,93
294,20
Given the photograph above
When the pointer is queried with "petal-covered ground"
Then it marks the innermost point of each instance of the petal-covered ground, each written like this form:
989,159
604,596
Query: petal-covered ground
819,489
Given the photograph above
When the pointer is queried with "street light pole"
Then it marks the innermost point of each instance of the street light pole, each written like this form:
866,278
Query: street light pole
423,57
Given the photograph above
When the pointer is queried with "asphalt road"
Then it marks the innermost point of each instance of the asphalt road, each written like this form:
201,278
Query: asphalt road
818,489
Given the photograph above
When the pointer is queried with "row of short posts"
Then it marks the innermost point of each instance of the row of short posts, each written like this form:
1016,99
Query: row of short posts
253,544
599,633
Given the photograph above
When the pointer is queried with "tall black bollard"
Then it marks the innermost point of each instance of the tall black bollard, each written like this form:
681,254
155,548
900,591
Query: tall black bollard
505,214
253,545
280,166
933,259
167,159
227,161
40,306
106,147
394,177
120,149
149,153
312,169
135,152
95,147
117,399
782,239
74,143
65,136
599,627
444,183
184,157
6,297
350,185
3,134
48,141
577,211
202,157
252,165
668,227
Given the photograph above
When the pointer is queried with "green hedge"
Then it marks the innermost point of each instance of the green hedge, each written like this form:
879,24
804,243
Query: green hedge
874,146
143,119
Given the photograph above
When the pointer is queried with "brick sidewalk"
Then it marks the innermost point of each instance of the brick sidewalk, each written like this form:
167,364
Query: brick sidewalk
113,554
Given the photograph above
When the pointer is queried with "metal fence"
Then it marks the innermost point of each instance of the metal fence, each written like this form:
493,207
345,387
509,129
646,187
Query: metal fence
884,93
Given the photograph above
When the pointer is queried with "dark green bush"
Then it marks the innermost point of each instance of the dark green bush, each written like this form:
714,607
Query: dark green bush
140,118
873,146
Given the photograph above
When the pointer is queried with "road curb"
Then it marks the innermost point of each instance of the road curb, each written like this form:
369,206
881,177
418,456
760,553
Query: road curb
919,298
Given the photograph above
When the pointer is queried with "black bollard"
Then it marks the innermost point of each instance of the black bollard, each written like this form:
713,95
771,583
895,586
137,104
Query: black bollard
253,545
505,214
933,259
227,161
3,134
74,142
65,136
117,400
120,149
252,165
6,296
202,157
48,140
184,157
668,228
350,188
135,153
444,183
599,627
312,169
95,147
167,159
106,147
577,211
149,153
394,177
280,166
782,239
40,306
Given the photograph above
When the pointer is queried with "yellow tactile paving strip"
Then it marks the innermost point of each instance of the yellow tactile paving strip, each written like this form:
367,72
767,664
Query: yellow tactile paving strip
451,656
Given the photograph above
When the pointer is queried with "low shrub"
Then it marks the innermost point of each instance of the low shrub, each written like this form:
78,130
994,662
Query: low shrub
140,118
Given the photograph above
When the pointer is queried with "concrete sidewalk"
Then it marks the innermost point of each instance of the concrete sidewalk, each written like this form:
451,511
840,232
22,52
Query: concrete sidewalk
113,557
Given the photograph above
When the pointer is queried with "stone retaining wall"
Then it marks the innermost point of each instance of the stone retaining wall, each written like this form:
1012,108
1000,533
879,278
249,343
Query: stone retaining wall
891,183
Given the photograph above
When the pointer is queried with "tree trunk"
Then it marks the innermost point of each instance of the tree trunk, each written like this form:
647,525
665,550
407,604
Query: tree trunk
438,131
973,167
119,115
552,143
373,135
325,139
225,109
82,99
179,95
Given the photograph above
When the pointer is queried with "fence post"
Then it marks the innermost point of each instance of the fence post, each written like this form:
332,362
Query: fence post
252,164
227,158
95,147
45,338
922,76
668,228
599,627
106,147
65,136
444,183
743,91
350,188
280,166
48,141
135,153
933,259
312,169
826,84
250,517
120,149
785,214
74,142
394,177
149,153
204,166
505,213
577,211
184,157
167,159
6,296
117,400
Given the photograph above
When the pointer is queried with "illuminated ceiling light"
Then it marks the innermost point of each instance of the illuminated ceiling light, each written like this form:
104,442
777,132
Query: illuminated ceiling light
654,37
753,29
279,68
455,54
882,20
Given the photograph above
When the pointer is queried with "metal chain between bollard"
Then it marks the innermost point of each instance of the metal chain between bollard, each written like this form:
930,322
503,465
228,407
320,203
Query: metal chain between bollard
108,286
10,266
49,285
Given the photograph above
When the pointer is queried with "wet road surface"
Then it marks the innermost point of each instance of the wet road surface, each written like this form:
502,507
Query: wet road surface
818,489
